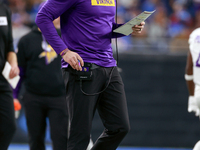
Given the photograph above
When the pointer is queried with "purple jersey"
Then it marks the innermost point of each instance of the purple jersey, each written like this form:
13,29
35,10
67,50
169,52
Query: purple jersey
86,27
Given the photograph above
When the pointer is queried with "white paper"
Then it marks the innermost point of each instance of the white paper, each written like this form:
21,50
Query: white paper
3,21
126,29
13,82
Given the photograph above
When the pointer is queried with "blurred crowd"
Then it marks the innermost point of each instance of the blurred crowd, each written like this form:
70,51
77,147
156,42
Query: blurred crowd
166,31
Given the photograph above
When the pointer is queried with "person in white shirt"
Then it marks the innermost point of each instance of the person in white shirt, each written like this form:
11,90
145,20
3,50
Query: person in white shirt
192,75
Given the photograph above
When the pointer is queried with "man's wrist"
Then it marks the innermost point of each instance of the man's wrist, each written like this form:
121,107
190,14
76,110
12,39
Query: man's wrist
64,52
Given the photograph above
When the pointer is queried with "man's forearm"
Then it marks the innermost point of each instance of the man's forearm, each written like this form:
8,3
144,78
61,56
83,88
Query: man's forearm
12,58
190,86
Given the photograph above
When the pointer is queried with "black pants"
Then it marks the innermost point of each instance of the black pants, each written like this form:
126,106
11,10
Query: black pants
111,105
37,109
7,119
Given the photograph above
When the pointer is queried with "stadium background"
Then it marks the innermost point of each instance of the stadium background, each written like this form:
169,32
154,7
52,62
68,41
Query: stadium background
152,66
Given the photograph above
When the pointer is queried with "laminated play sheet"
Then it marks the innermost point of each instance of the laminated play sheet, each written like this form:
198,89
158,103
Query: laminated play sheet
126,29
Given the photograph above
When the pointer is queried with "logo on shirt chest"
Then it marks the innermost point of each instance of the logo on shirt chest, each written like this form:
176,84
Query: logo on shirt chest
49,55
103,2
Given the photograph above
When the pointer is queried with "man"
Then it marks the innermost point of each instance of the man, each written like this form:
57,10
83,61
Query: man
192,75
45,93
7,118
86,28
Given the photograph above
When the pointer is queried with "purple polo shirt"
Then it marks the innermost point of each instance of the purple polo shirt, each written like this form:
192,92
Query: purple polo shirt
86,28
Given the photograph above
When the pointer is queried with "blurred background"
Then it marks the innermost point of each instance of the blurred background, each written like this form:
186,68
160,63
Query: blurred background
152,66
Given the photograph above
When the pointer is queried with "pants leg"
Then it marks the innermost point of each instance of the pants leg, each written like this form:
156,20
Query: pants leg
36,115
7,119
58,118
81,110
113,111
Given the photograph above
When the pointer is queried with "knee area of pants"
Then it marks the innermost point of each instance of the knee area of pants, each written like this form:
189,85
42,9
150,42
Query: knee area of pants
126,129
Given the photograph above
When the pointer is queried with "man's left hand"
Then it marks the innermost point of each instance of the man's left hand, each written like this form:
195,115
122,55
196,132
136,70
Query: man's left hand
138,28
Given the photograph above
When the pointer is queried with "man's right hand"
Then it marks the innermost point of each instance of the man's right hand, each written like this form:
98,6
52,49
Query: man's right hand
73,59
14,71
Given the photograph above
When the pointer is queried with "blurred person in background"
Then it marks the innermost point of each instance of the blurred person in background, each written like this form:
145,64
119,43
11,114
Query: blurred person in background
20,20
196,5
180,18
180,26
149,5
192,75
87,29
32,8
44,95
7,118
157,29
128,9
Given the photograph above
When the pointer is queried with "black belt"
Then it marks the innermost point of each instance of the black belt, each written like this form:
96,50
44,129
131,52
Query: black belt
87,66
92,65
